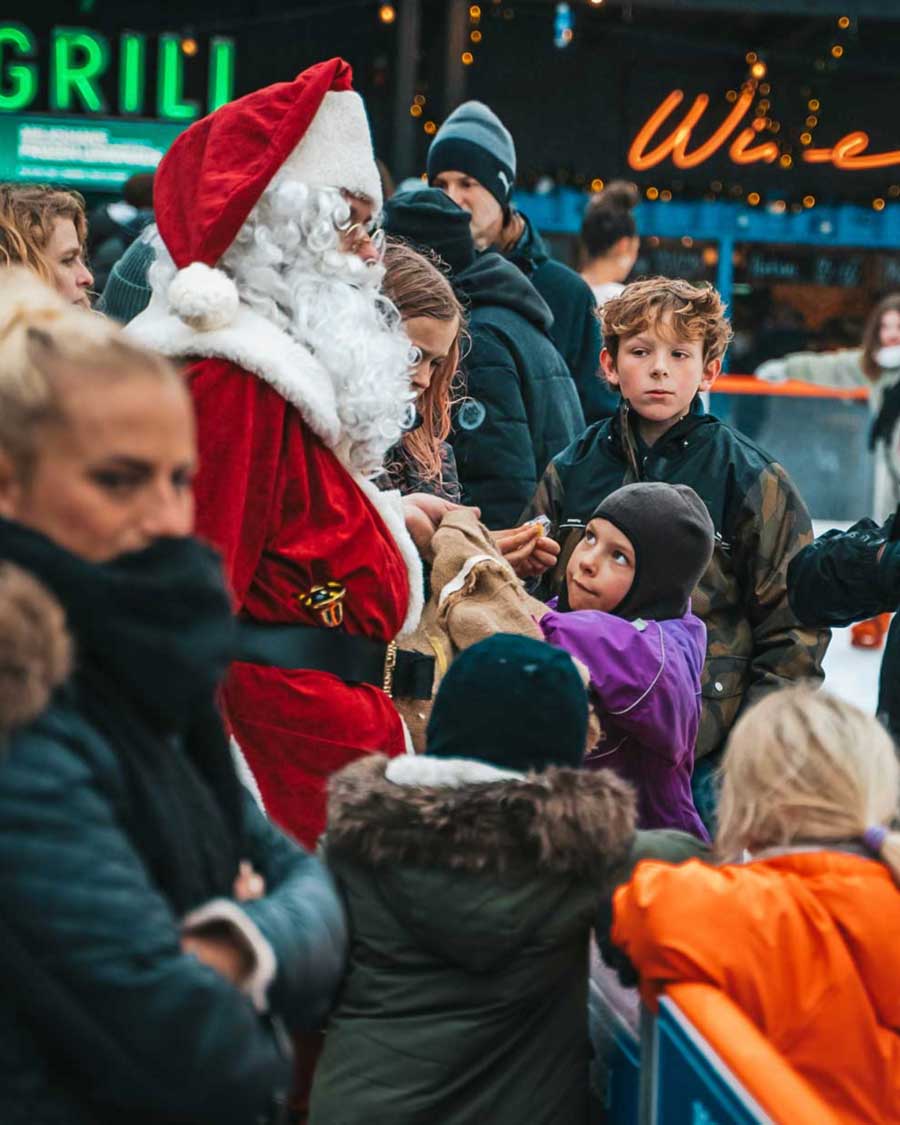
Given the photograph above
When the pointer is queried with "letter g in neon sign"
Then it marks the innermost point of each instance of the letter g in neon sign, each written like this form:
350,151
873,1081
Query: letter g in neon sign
20,77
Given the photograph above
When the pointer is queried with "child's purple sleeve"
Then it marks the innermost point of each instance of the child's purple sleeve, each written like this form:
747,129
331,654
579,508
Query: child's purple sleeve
645,676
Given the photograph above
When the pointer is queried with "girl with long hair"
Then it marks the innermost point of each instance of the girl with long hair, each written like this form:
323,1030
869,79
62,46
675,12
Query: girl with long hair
434,321
45,230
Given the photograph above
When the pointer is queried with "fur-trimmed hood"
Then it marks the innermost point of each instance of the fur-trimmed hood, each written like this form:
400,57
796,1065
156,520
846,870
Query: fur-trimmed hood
35,648
465,816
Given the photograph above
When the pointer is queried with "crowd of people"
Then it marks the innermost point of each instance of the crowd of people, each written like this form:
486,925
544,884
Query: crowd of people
337,438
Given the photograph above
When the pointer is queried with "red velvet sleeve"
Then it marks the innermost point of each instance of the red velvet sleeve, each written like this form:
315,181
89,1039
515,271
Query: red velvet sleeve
240,431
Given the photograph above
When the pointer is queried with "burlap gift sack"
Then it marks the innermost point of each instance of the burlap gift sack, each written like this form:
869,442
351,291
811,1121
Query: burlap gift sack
474,594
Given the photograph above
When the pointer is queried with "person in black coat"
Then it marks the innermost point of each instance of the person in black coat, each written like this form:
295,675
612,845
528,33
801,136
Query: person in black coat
158,933
521,407
847,576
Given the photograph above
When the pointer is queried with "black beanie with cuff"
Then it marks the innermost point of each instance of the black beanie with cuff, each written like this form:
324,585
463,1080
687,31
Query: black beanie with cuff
514,702
427,218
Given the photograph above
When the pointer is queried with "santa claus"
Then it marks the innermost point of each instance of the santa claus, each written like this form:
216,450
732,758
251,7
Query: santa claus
267,281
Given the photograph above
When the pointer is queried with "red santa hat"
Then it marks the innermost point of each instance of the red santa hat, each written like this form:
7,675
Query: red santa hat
215,172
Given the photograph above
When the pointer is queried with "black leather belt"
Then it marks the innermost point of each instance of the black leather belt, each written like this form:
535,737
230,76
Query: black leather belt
358,660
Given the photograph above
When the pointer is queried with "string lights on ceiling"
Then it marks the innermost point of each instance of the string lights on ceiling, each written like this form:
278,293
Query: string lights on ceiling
785,143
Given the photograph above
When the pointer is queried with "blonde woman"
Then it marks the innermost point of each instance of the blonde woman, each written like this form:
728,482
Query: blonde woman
805,936
45,230
152,922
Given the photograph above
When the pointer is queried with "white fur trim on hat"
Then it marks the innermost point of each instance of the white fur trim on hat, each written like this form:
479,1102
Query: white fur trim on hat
204,298
336,149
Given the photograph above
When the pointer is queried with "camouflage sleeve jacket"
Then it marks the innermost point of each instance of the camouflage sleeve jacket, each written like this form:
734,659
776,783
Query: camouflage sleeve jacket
756,641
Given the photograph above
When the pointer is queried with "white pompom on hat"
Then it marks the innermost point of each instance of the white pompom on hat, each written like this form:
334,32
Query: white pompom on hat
204,298
216,171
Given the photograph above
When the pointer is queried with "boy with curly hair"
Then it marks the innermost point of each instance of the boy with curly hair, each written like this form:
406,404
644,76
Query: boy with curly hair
664,342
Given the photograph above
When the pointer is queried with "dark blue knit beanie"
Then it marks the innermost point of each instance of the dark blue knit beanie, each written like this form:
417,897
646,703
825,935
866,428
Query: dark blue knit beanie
514,702
475,141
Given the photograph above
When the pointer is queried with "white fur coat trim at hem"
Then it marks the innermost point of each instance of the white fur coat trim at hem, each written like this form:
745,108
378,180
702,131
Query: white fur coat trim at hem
258,346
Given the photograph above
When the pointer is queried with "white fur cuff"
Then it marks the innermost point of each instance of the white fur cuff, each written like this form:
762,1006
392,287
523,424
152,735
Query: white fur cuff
223,911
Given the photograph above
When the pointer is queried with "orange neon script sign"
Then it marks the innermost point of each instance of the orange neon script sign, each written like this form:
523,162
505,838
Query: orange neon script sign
847,154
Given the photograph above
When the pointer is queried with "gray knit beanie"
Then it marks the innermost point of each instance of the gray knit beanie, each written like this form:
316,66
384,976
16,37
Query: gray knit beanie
474,140
127,290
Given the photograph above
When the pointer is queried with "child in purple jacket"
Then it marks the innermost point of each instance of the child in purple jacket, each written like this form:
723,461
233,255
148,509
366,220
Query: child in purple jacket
625,613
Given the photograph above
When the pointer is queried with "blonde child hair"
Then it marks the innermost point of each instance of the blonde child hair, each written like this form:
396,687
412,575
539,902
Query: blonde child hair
695,312
44,341
803,766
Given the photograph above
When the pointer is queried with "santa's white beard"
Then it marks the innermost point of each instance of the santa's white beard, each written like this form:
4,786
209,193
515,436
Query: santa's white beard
288,266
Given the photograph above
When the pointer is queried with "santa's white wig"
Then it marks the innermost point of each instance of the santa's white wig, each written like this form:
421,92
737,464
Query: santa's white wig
288,266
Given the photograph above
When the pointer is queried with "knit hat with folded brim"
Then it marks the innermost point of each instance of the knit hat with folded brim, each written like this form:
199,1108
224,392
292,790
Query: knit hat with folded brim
475,141
127,291
514,702
428,219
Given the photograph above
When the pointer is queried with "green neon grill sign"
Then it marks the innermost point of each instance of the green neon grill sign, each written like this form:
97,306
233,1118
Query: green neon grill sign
78,68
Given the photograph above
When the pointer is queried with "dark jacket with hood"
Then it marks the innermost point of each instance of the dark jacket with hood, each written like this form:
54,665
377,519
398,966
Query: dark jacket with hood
840,578
471,894
121,817
575,330
530,405
755,641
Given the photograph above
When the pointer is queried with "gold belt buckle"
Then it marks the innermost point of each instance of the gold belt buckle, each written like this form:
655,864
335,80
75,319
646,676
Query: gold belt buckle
390,663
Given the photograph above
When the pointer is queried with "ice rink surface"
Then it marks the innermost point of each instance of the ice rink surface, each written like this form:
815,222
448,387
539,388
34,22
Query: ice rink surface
851,673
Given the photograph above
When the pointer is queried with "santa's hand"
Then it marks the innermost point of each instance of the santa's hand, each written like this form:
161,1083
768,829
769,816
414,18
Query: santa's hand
424,513
433,506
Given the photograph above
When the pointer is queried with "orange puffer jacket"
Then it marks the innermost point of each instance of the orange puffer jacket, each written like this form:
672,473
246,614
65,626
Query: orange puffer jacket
807,944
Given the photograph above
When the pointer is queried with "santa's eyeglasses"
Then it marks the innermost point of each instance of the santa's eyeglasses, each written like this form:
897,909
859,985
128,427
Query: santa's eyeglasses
356,235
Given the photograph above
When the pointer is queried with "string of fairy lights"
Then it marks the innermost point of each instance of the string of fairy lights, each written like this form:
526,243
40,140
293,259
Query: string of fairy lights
792,137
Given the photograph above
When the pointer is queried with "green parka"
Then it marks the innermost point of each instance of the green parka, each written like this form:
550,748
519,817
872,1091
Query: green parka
471,895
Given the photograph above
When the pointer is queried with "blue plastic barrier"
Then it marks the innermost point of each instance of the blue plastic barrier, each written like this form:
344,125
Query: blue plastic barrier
689,1083
664,1070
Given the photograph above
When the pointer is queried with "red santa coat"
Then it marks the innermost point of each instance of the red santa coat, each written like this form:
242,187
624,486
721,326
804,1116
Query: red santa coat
275,496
